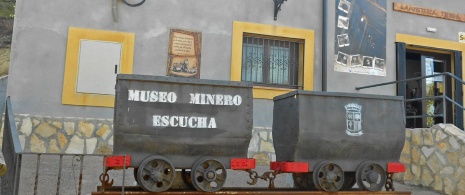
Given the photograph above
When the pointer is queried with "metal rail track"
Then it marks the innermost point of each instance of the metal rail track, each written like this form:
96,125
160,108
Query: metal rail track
240,191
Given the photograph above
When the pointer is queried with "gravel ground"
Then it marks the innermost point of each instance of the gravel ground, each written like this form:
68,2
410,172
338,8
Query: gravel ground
93,167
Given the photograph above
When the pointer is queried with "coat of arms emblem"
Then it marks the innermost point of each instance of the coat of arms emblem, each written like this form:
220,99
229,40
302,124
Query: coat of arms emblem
353,119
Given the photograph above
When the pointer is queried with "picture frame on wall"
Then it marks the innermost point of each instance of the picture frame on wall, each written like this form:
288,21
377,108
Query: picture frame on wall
184,53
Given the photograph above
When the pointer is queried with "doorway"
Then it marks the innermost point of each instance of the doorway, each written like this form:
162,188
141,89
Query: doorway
443,51
425,105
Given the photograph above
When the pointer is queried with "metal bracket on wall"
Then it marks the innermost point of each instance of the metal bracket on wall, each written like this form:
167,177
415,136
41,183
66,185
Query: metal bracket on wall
277,7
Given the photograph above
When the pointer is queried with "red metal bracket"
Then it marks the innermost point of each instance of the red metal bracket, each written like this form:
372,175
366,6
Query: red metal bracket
117,161
242,163
290,167
395,167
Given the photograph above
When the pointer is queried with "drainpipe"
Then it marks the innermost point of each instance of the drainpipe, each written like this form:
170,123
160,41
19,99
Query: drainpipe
114,9
324,46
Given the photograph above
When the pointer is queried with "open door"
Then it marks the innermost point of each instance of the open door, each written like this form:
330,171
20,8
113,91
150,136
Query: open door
427,112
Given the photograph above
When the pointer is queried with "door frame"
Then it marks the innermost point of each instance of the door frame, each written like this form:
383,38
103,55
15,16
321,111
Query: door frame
438,46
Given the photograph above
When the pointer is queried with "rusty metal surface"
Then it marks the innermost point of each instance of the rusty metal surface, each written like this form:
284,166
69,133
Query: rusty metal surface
315,126
139,133
245,191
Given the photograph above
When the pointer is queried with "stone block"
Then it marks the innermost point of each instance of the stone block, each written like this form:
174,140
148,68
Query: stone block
263,135
52,147
104,149
453,130
462,161
415,155
69,128
428,138
458,173
103,132
408,177
262,159
37,145
58,124
447,171
427,151
449,185
461,187
437,183
76,146
443,146
440,135
453,158
408,133
22,140
35,122
266,147
416,171
45,130
422,160
62,140
253,144
426,177
433,163
26,126
405,159
453,143
110,141
86,128
406,149
90,145
417,139
441,158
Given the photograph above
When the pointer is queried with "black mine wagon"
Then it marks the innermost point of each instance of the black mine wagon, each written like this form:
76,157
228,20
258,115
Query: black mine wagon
345,138
169,123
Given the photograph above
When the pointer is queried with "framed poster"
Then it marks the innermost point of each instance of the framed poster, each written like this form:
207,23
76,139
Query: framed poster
360,38
184,53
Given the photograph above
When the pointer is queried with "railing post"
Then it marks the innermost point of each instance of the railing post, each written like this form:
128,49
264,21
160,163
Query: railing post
37,174
80,174
59,174
444,107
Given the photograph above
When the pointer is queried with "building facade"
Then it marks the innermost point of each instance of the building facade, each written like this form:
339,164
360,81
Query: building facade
65,54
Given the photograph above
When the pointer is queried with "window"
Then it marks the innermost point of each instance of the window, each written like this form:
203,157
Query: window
271,62
277,59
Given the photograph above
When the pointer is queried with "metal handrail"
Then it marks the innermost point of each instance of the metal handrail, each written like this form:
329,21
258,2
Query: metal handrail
412,79
444,97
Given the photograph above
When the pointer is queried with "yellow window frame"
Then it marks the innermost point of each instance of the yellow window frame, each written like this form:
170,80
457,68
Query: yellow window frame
69,95
241,28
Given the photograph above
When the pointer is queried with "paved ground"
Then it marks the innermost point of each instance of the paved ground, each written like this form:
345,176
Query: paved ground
69,181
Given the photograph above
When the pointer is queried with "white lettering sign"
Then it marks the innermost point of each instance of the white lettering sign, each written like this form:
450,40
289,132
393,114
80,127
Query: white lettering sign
194,98
462,37
152,96
215,99
184,121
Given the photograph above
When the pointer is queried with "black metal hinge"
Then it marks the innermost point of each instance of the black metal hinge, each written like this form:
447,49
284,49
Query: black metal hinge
277,7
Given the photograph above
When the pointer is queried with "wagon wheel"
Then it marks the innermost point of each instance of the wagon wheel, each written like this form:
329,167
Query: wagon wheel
349,180
370,176
208,175
328,176
303,181
156,174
